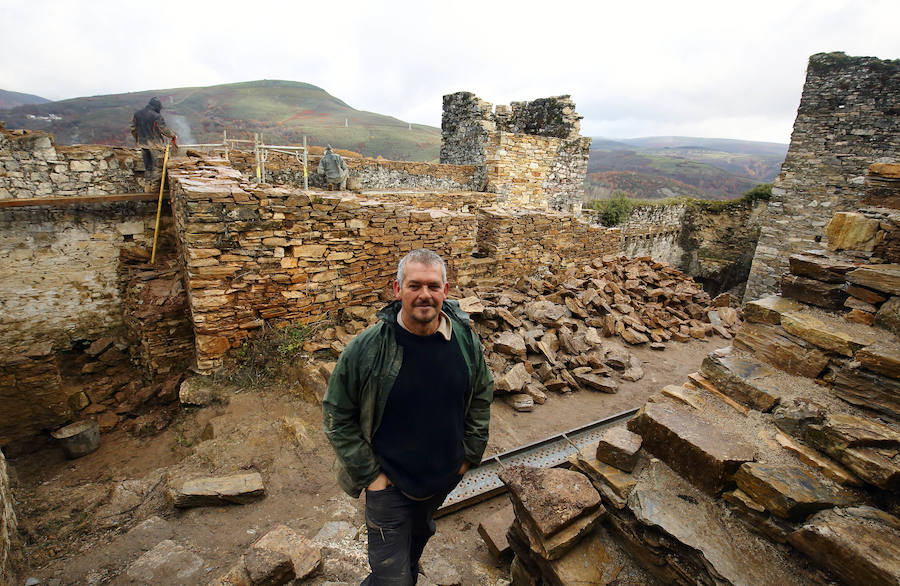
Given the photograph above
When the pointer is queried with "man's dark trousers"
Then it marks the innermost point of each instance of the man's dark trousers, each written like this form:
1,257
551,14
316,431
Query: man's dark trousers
398,529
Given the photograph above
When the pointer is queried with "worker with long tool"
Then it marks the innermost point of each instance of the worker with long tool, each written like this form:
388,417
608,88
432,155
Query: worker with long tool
150,132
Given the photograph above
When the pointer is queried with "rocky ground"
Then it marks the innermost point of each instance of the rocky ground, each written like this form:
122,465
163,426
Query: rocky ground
90,521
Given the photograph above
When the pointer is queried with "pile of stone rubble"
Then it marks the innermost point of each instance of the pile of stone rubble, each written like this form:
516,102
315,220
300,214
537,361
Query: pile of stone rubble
548,334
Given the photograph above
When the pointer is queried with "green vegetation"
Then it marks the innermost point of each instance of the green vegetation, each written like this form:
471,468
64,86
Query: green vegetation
262,358
615,210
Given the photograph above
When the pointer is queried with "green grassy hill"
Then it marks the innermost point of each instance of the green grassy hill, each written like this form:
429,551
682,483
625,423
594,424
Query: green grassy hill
283,111
12,99
659,167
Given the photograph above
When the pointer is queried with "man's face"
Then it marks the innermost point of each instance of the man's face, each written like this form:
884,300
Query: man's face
422,292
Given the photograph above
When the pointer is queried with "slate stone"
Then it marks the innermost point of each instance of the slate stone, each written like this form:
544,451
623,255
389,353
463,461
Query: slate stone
704,454
823,464
884,278
824,335
888,316
236,489
756,518
520,402
795,415
511,344
514,379
851,231
865,294
768,310
265,567
695,526
550,498
619,447
167,563
868,389
811,292
866,448
555,546
744,380
493,530
588,562
882,357
305,555
619,481
195,392
819,268
633,373
773,346
536,391
594,382
439,572
791,492
860,545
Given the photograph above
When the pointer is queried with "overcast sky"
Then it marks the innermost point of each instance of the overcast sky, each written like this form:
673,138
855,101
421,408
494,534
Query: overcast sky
713,69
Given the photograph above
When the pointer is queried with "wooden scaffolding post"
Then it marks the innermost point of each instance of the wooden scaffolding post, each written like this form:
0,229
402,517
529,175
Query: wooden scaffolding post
305,164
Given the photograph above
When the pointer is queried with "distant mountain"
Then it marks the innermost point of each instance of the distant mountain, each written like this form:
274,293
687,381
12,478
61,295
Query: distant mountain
12,99
282,111
667,166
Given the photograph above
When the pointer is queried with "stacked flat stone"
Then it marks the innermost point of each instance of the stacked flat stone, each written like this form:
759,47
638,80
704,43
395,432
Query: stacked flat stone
32,166
33,398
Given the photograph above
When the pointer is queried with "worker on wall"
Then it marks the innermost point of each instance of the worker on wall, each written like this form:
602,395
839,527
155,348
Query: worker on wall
150,132
334,168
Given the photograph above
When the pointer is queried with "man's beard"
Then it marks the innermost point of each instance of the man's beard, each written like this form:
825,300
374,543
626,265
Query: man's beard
423,320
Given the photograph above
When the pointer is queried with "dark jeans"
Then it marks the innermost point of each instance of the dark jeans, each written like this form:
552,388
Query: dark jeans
398,529
149,163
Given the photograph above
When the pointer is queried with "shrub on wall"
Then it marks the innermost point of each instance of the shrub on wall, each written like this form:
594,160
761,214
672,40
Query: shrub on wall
615,210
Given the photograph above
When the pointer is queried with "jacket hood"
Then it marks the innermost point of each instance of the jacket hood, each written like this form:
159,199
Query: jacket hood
155,104
388,314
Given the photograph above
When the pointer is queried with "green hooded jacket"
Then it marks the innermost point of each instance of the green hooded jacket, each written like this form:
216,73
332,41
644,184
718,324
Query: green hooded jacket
364,376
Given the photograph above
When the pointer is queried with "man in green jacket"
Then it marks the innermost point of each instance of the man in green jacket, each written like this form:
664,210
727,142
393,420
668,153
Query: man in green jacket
407,411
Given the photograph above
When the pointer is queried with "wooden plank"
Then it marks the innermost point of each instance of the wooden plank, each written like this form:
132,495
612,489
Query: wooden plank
90,199
700,381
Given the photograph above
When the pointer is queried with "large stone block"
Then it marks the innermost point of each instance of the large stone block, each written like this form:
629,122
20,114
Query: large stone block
702,453
774,346
851,231
768,310
884,278
830,336
820,268
619,447
217,491
812,292
746,381
791,492
861,545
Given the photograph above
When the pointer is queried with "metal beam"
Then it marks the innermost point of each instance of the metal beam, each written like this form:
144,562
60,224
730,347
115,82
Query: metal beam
483,482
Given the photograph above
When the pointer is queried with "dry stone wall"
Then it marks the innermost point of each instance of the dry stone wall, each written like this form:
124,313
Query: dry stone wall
7,523
31,165
530,153
258,253
376,174
59,278
849,118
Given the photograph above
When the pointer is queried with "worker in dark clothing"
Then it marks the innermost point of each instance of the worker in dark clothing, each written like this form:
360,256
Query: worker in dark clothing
150,132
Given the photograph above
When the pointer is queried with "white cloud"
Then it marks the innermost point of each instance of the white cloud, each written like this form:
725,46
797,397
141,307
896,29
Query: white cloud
695,68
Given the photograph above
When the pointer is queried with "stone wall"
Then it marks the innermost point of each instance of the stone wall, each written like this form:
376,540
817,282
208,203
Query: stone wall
848,119
7,524
258,253
32,166
530,153
522,242
376,174
712,242
59,269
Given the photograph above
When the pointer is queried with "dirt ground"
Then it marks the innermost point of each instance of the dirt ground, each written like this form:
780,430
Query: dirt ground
75,516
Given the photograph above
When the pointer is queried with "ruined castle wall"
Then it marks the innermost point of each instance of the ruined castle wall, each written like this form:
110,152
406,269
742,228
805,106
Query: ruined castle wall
59,277
849,118
284,169
654,231
531,153
7,523
32,166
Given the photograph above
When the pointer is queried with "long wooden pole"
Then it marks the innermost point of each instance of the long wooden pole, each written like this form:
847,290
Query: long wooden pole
162,183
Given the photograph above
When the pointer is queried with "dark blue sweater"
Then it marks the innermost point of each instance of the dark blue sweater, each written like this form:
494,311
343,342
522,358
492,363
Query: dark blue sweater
419,442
